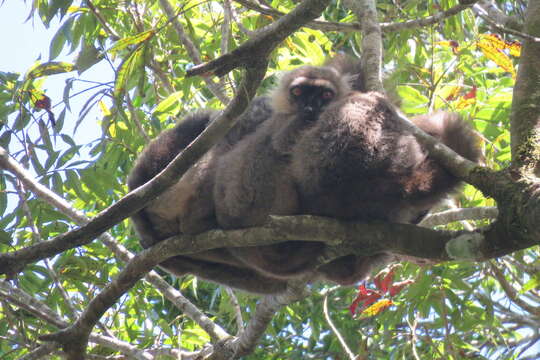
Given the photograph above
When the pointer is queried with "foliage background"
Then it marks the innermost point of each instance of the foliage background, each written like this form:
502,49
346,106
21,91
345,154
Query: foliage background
450,311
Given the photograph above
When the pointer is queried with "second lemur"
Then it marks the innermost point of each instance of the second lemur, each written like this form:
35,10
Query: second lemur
253,180
359,163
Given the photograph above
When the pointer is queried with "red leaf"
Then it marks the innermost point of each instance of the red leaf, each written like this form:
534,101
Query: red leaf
44,102
397,287
471,94
364,295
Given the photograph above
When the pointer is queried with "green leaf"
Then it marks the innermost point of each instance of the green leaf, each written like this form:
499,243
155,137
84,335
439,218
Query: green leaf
413,101
126,71
169,104
59,39
533,283
88,56
49,68
5,237
132,40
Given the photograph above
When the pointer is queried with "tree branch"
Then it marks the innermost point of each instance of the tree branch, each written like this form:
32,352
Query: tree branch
336,332
174,296
11,263
354,27
430,20
112,34
42,311
265,311
525,119
366,12
264,42
511,292
448,216
193,52
237,310
361,239
480,11
495,14
41,351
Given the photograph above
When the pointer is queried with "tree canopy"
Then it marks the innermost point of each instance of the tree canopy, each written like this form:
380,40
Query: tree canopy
76,281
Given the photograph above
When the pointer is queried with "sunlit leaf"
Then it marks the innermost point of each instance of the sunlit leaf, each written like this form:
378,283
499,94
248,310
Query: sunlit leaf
49,68
377,307
132,40
125,72
492,48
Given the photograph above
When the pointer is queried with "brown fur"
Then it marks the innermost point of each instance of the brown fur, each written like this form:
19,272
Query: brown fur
187,207
359,163
253,180
351,161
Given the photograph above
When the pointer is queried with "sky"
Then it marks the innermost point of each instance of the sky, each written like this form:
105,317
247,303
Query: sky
22,42
26,41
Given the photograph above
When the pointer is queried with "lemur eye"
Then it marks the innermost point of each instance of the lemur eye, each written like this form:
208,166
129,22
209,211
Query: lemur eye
327,95
296,91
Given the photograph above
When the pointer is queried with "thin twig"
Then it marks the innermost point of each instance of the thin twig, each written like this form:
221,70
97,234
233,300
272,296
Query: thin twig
336,332
481,12
114,36
510,291
193,52
136,119
414,338
237,310
430,20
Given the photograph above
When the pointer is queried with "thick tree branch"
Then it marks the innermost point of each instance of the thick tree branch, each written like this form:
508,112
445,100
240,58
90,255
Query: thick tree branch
518,198
525,117
346,238
264,42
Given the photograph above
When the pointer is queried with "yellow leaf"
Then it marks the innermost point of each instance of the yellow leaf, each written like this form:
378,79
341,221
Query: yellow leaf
378,307
496,55
493,40
463,103
104,108
515,48
451,92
